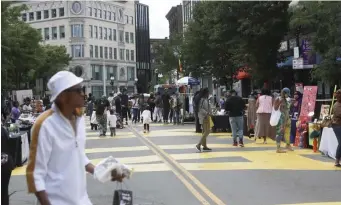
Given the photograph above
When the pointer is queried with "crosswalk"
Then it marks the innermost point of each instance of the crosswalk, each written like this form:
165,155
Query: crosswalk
178,142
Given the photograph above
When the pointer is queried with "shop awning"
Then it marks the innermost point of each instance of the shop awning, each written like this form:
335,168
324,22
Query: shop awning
286,63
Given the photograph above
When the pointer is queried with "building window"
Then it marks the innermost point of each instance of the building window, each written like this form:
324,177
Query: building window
131,73
132,20
105,34
61,32
113,16
111,72
46,33
95,12
97,72
110,53
89,11
132,55
91,51
106,52
61,12
24,17
109,15
90,31
122,54
99,13
126,19
77,30
96,51
127,55
110,34
121,36
31,16
100,33
101,52
115,53
46,14
105,14
54,33
114,34
97,91
96,33
77,51
54,13
132,38
127,37
38,13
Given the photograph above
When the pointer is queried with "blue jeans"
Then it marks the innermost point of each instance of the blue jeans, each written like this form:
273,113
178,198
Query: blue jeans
135,114
237,127
176,116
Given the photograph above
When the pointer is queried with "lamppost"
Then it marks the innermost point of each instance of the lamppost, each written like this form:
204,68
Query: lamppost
112,79
159,76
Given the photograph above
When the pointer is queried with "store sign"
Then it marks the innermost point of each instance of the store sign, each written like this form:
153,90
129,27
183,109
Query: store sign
309,59
283,46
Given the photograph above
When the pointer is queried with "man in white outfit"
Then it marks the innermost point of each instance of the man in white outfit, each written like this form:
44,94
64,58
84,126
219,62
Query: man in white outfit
57,165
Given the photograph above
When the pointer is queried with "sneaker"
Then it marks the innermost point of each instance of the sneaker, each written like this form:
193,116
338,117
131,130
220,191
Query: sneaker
206,149
144,131
235,143
279,150
337,165
198,147
241,143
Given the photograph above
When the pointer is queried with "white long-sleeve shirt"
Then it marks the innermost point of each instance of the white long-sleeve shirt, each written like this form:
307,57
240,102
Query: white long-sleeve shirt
57,159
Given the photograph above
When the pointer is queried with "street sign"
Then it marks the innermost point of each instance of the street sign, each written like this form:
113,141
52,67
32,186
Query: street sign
296,52
297,63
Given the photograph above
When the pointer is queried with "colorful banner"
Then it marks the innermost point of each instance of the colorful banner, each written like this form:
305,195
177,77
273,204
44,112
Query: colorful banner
308,57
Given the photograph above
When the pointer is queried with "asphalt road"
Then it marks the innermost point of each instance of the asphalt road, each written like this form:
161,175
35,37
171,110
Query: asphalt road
169,171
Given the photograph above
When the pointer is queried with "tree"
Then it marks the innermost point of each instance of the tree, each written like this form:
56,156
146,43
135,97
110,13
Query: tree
23,57
262,26
324,19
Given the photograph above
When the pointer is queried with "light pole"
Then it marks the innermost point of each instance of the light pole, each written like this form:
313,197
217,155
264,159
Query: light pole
159,76
112,79
136,84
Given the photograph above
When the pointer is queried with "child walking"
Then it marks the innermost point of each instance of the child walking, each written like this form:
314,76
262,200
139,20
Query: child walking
147,118
112,119
93,121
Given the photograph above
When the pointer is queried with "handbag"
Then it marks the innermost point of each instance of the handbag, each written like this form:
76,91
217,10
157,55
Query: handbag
275,116
123,197
210,121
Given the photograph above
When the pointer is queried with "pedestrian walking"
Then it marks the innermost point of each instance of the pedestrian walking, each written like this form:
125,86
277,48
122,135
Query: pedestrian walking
264,105
136,106
93,120
146,118
102,106
151,104
235,108
196,100
176,107
204,114
283,126
158,108
57,164
166,106
112,119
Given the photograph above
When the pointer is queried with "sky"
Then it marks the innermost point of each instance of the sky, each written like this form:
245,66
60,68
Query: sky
158,9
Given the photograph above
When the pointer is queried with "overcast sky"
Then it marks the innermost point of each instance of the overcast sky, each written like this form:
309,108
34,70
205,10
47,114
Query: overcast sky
157,12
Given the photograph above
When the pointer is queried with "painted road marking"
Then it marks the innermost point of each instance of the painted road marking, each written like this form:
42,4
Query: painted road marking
317,203
94,133
166,158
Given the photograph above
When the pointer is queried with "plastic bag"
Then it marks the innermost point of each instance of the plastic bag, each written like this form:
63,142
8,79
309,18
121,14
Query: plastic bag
275,116
103,169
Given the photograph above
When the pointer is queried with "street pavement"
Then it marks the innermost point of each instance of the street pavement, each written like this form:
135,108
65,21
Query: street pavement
169,171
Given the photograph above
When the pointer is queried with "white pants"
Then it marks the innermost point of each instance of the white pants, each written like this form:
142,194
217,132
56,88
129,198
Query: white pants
157,115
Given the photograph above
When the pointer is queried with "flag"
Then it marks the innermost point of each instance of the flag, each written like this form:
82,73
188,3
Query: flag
180,66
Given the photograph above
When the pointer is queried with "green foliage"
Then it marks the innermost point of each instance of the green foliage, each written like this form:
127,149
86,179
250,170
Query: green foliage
23,58
226,35
324,18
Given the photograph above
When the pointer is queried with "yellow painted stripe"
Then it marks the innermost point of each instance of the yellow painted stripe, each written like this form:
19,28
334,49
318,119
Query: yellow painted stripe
126,160
317,203
117,132
116,149
248,166
111,138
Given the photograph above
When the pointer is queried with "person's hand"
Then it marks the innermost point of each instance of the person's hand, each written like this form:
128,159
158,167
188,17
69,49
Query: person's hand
116,177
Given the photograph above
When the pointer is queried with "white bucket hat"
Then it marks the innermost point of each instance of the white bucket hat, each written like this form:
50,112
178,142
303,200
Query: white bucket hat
62,81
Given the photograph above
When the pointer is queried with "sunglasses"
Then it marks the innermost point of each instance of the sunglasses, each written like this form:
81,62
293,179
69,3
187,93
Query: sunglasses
79,90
